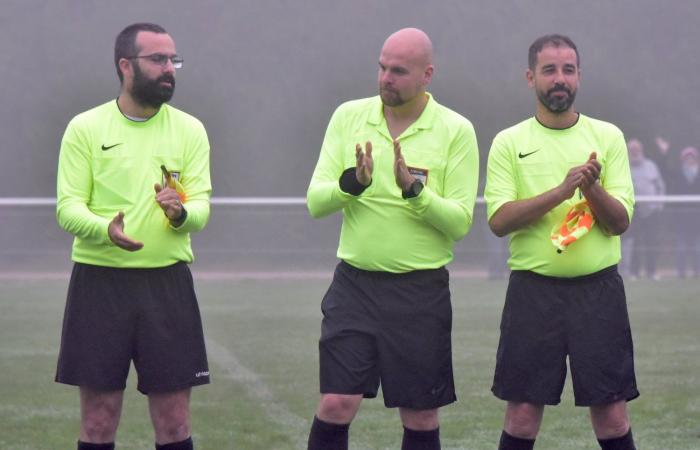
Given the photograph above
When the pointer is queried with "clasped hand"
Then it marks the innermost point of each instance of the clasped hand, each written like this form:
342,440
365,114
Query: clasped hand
365,165
583,177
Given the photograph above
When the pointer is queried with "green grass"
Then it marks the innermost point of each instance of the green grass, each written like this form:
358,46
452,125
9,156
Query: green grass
262,341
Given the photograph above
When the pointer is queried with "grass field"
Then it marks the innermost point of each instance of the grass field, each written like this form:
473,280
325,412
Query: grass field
262,342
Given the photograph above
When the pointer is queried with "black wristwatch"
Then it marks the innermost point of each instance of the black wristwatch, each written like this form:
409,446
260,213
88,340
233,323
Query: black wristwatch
414,190
180,220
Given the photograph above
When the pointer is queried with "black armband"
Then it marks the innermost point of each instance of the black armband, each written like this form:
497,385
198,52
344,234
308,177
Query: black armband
349,184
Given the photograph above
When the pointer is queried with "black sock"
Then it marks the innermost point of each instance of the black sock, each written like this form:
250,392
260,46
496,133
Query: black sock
509,442
625,442
88,446
420,440
328,436
182,445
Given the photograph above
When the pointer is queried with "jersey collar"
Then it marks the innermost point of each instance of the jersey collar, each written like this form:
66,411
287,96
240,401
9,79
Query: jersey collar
424,121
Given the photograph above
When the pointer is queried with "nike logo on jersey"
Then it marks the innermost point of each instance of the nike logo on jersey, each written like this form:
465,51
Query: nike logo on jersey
106,147
524,155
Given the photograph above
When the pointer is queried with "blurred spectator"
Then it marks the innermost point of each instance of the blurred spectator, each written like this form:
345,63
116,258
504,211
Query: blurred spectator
683,179
641,243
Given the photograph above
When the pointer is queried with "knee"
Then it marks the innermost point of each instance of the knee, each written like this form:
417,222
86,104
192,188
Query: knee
172,426
610,421
522,426
419,420
337,408
612,429
523,420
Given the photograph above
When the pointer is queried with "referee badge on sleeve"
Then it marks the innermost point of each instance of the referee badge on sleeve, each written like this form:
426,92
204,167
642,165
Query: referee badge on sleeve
419,174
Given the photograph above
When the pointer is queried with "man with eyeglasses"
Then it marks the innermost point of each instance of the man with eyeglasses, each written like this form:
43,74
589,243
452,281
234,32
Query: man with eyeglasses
133,182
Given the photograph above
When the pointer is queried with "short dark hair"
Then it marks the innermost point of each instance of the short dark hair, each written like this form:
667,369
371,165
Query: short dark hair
555,40
125,44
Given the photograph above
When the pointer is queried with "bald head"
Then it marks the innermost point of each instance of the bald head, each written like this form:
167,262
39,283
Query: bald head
405,68
411,43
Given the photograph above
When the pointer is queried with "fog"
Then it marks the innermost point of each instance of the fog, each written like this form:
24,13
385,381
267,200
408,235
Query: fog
265,76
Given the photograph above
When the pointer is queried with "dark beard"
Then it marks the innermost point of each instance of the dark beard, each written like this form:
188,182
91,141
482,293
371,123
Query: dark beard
147,92
391,98
557,104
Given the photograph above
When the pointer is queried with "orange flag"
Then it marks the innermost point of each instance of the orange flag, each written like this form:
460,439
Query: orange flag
577,223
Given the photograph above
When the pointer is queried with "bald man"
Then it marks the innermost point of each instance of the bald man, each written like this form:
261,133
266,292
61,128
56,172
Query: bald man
403,170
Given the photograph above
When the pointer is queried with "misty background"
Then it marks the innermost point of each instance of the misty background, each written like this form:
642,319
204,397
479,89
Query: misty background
265,76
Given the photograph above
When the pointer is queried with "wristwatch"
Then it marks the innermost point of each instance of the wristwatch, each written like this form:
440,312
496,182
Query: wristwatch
414,190
180,220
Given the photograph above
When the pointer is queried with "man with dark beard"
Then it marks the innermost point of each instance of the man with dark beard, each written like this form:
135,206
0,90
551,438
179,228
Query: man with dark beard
562,300
403,169
133,182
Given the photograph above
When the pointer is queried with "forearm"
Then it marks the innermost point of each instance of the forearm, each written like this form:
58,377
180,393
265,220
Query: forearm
451,217
451,211
74,190
326,197
198,211
78,220
517,214
197,187
610,214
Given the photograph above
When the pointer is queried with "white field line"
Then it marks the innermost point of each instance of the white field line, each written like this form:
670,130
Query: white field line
298,427
46,412
259,392
23,352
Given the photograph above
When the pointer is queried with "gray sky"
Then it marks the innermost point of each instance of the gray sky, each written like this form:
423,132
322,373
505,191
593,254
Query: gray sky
264,76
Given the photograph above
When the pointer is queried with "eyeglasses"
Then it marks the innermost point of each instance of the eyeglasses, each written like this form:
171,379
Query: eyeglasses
161,59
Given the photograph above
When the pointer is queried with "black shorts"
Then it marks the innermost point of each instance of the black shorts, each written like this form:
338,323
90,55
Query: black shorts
114,316
545,319
388,328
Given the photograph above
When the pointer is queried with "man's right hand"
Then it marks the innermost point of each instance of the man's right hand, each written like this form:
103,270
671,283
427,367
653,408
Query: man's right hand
364,164
583,176
574,178
121,240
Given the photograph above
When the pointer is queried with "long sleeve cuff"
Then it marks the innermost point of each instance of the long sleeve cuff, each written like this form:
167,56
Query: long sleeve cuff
180,220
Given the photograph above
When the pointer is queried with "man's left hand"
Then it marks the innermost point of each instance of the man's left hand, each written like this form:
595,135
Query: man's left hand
169,201
403,177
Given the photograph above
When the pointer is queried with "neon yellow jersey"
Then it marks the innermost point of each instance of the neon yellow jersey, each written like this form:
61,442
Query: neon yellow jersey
529,159
109,163
381,231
